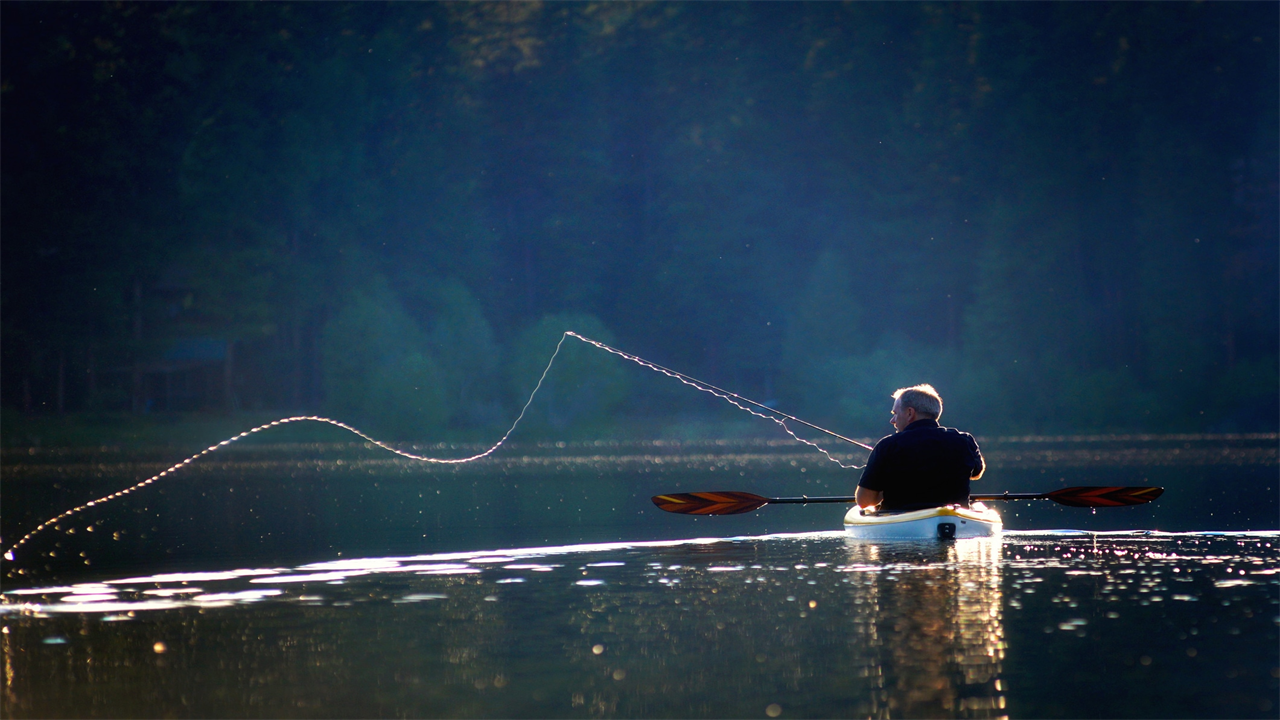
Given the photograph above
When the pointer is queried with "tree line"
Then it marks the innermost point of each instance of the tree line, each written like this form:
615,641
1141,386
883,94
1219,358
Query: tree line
1062,215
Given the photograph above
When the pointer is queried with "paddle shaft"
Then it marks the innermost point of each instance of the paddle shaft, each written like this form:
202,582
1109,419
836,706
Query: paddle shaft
1013,496
802,500
732,502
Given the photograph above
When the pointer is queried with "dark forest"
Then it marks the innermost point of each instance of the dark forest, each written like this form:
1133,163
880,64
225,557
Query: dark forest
1063,215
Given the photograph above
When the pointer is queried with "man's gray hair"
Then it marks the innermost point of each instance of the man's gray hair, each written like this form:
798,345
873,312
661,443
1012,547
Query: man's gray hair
926,401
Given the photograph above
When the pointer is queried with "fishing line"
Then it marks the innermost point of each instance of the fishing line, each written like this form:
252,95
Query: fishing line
732,398
312,418
778,416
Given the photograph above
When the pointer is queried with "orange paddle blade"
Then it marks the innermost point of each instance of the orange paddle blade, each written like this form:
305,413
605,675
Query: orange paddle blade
710,503
1104,496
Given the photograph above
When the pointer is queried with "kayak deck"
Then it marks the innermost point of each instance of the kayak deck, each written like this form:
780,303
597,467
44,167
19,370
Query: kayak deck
951,521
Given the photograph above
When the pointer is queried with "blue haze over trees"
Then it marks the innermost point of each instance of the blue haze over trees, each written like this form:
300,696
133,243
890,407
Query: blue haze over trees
1064,215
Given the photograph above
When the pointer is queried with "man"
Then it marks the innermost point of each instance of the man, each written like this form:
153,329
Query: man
924,464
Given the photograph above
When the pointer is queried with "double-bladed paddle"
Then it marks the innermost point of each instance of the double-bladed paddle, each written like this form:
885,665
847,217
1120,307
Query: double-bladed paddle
732,502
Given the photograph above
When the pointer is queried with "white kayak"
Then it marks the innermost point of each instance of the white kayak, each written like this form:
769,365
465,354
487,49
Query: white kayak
940,523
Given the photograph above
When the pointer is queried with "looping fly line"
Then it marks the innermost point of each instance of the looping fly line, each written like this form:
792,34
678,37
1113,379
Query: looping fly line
732,398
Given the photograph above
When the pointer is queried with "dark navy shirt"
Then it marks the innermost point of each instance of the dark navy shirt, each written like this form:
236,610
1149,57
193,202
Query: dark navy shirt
924,465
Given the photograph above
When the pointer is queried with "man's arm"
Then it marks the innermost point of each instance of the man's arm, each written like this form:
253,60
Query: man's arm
867,498
980,464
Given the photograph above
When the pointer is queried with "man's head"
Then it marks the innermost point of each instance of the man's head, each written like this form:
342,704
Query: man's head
915,403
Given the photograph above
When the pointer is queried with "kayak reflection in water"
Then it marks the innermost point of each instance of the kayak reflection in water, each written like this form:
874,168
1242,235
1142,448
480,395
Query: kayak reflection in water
934,636
923,464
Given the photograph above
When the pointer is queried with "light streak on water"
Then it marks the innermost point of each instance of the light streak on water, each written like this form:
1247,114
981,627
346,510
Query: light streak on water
810,622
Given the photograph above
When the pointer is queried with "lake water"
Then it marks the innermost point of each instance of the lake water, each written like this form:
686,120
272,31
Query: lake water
328,581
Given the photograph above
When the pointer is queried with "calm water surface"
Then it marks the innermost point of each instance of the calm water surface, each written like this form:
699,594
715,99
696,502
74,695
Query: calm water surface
805,625
330,581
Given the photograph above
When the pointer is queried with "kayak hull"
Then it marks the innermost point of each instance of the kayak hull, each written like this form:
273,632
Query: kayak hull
943,523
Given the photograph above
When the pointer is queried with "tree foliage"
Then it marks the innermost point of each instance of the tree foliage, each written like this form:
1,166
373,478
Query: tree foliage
378,369
1056,212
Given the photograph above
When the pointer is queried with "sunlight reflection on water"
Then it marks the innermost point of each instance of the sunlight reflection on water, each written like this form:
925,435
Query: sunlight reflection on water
810,623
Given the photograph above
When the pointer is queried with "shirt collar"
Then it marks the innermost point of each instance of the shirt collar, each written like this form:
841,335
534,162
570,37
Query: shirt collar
921,424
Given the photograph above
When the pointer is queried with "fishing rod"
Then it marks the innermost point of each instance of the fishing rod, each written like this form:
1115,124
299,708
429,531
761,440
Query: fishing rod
709,386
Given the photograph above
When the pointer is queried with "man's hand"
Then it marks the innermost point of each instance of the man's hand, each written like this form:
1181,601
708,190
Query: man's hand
868,498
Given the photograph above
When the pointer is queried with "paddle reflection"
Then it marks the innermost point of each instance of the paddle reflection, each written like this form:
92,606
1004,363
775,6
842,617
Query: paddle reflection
932,628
